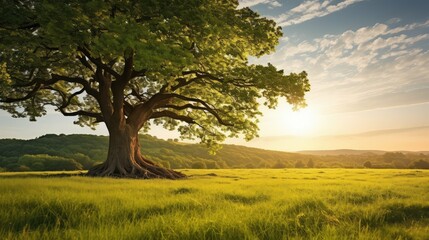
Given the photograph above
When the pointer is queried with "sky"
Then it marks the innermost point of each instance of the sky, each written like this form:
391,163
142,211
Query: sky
368,65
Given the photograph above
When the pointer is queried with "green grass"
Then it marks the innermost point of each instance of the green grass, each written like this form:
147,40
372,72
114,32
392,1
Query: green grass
229,204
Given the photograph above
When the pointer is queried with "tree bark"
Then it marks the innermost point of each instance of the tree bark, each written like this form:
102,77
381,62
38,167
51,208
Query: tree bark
125,160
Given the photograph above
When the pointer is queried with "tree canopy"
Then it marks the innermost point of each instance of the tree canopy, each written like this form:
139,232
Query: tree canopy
182,64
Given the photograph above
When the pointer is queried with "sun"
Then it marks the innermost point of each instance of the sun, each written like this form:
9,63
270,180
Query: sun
302,122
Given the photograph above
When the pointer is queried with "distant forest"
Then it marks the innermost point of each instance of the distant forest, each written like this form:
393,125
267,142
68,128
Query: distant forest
79,152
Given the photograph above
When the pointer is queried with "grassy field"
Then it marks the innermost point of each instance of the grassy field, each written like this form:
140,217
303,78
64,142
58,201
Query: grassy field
220,204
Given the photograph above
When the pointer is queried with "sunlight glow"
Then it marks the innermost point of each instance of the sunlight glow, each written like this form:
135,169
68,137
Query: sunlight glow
302,122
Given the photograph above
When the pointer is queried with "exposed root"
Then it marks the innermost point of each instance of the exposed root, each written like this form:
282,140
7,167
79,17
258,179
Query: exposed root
143,169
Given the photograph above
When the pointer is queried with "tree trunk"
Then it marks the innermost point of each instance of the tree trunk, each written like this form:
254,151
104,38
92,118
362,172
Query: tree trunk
124,159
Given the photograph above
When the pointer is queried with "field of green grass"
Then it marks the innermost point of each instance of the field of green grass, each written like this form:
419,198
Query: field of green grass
220,204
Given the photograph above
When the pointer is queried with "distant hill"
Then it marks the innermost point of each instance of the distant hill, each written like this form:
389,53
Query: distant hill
87,150
338,152
71,152
414,139
341,152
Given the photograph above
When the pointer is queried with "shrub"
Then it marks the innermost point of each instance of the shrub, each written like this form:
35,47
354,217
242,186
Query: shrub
310,163
299,164
199,165
367,164
421,164
23,168
279,165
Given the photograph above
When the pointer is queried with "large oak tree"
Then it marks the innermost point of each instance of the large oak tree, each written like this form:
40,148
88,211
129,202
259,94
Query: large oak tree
130,64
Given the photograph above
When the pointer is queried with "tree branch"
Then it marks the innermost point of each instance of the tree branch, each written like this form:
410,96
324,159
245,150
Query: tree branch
183,83
207,107
55,78
128,108
182,107
99,63
135,92
29,95
98,117
31,26
139,73
32,79
66,102
128,68
86,63
26,26
172,115
218,79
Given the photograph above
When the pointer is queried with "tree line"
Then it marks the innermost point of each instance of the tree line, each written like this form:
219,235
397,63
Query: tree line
80,152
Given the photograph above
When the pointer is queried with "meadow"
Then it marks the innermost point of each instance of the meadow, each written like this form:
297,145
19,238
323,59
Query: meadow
219,204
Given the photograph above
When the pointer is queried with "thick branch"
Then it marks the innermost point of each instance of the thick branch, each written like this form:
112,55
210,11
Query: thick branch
104,100
66,102
29,95
182,118
99,63
55,78
172,115
135,92
128,108
207,107
85,63
98,117
183,83
128,68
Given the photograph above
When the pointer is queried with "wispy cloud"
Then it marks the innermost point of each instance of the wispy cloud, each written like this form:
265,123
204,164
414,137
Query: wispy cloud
250,3
311,9
372,67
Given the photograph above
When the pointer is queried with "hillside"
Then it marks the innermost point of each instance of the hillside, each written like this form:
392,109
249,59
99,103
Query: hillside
337,152
71,152
89,149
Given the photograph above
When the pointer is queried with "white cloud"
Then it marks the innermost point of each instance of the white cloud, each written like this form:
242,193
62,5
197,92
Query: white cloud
355,68
250,3
302,48
312,9
409,27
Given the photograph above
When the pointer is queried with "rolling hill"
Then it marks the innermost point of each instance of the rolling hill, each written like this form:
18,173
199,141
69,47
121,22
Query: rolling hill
70,152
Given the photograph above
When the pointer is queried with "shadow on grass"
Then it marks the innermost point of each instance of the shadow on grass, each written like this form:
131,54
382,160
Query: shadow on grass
35,214
391,214
362,198
246,200
400,213
183,190
43,175
305,219
138,214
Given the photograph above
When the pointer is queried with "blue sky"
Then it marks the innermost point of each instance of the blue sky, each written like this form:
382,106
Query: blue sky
368,63
369,53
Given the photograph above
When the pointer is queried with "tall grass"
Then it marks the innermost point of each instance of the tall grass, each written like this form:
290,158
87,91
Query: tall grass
229,204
